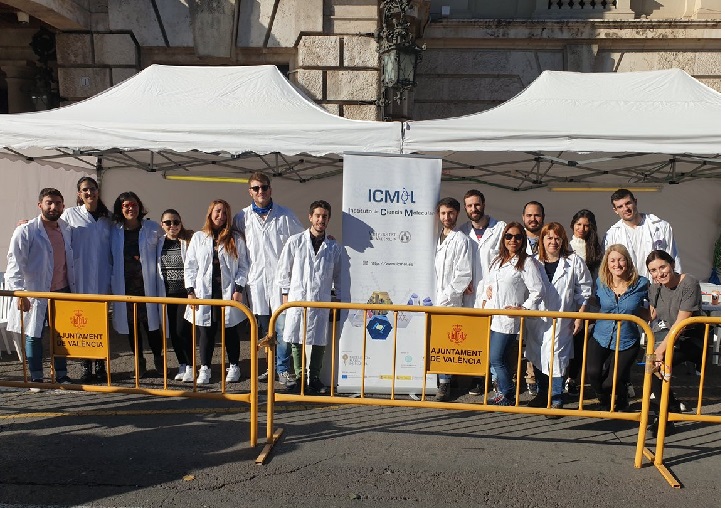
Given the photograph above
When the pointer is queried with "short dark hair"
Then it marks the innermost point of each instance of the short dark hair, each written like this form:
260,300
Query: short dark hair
47,192
621,194
450,203
125,196
474,192
320,204
533,203
259,177
660,254
101,209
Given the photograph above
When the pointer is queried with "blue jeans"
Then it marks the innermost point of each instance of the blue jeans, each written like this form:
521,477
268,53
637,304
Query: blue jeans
34,354
557,386
283,354
500,345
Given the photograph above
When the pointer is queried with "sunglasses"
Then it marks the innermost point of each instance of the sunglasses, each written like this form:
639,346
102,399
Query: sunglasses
128,206
517,237
170,222
256,188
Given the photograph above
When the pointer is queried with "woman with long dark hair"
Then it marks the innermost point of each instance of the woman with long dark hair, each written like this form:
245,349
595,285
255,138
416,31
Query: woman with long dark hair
170,255
133,253
513,282
90,223
216,266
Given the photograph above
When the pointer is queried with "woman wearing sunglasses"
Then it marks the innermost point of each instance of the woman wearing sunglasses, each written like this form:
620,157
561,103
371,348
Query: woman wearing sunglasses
133,273
513,282
568,286
216,266
170,255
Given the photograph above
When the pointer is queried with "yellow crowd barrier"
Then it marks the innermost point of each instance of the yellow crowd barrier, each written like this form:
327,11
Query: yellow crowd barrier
485,315
58,299
665,415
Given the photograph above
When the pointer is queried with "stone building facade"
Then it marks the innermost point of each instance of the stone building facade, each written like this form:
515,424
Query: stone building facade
478,53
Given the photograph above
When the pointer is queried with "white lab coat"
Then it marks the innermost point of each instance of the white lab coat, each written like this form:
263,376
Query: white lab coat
657,235
453,269
148,239
265,241
512,287
484,250
91,242
30,268
306,276
198,274
160,285
568,290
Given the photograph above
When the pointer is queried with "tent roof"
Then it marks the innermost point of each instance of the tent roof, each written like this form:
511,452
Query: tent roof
636,127
209,109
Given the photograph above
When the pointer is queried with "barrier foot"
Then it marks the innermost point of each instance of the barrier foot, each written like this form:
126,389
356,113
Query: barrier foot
663,470
268,447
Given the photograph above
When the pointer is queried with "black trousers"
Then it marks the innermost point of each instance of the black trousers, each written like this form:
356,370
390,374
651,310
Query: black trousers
180,334
152,336
601,378
206,337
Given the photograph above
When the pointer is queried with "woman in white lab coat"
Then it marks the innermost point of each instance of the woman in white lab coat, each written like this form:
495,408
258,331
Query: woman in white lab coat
133,272
568,286
513,282
216,267
90,224
170,255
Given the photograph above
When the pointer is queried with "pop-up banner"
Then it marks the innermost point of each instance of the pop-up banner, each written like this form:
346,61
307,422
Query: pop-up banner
389,226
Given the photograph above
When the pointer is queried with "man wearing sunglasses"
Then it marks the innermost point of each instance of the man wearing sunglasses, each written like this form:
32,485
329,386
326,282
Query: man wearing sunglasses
453,271
266,226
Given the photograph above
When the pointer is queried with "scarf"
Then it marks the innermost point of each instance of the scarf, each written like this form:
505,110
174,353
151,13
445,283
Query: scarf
262,211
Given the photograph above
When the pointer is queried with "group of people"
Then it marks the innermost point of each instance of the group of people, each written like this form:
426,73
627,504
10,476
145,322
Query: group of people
261,257
534,265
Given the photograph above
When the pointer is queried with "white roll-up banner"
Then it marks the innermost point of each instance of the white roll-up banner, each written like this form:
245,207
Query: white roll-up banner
389,226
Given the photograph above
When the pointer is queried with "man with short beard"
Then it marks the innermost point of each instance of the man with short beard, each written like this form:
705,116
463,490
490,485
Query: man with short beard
533,219
40,259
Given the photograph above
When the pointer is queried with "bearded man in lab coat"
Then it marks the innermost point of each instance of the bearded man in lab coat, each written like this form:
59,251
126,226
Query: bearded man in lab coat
267,226
453,271
307,270
40,258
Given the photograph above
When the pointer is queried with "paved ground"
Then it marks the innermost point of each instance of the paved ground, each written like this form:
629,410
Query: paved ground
61,448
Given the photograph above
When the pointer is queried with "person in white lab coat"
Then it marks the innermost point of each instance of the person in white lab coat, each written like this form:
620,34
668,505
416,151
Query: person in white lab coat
567,288
40,258
216,267
170,255
453,271
308,269
513,282
485,234
640,233
90,224
133,272
266,226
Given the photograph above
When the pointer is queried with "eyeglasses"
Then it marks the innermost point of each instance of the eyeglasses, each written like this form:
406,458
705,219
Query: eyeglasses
256,188
170,222
517,237
126,206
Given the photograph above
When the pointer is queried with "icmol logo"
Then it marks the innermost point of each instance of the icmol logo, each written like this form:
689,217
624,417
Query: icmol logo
402,196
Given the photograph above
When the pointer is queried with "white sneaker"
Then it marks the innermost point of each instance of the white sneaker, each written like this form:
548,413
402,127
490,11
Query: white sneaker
188,375
204,375
287,379
182,372
233,374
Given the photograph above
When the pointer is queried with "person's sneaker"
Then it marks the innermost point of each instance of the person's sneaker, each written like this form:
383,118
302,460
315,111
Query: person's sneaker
317,387
36,380
262,378
444,392
532,388
204,375
182,372
540,400
188,375
500,400
64,380
233,374
86,375
654,427
286,379
101,374
630,390
571,387
476,388
555,405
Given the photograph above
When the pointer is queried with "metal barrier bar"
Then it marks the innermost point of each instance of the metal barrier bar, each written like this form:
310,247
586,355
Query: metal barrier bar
250,398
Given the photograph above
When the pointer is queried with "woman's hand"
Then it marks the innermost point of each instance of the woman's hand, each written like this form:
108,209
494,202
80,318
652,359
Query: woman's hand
192,296
23,304
578,323
237,297
489,292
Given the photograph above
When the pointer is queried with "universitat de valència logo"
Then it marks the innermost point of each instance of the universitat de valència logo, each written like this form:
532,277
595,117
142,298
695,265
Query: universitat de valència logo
78,320
456,335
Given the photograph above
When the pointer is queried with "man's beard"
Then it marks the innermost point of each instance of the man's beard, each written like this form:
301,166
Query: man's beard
472,216
50,215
